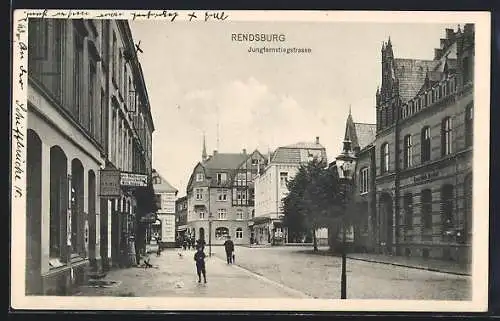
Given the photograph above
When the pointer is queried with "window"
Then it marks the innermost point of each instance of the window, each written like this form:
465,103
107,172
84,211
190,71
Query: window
78,72
384,158
114,55
447,207
92,103
199,177
363,180
426,200
221,233
283,179
407,154
425,147
221,214
199,194
446,136
255,161
158,201
469,128
241,179
239,233
221,178
222,195
408,210
202,215
239,214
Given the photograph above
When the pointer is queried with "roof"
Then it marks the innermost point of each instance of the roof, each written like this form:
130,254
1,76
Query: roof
296,153
410,74
164,186
360,134
225,160
366,134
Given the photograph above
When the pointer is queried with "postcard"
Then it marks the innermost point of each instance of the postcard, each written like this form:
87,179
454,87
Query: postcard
250,160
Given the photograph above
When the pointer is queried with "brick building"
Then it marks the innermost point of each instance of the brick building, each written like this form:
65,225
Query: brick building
82,118
220,196
423,151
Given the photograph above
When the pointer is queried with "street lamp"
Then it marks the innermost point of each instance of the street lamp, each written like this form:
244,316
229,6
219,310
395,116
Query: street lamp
210,234
346,165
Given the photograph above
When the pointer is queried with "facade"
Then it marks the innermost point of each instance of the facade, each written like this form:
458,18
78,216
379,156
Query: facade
80,121
220,196
166,197
423,151
271,188
180,218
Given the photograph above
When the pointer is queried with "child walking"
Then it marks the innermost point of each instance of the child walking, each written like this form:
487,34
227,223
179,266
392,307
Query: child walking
199,258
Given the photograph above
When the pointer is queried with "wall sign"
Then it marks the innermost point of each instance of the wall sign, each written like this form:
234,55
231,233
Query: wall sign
425,177
133,180
109,183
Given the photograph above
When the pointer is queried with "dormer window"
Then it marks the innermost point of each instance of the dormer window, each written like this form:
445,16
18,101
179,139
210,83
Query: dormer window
221,178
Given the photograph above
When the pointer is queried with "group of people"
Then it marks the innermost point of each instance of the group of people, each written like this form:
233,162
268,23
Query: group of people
199,257
187,242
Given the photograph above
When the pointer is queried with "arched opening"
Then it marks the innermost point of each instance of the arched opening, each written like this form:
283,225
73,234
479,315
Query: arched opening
58,203
33,213
202,233
386,212
92,217
77,207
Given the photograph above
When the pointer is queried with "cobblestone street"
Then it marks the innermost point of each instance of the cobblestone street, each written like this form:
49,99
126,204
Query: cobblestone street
319,276
173,275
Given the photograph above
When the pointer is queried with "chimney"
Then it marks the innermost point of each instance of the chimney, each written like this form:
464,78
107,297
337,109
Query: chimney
244,151
215,152
317,140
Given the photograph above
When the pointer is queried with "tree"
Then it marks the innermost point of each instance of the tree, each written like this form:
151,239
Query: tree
314,200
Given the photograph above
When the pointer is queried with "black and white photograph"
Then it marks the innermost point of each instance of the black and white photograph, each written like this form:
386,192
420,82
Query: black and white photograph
222,160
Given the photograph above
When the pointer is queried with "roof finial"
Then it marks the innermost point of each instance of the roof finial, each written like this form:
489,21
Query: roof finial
389,42
204,151
349,109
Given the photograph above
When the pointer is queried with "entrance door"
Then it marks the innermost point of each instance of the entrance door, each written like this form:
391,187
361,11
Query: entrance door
386,213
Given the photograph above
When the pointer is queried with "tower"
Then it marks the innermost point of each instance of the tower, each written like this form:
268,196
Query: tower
204,152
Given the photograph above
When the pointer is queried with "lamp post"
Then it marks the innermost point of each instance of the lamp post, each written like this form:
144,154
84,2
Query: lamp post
210,234
346,165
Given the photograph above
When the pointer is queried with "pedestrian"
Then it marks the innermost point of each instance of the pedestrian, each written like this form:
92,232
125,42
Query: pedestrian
184,243
200,243
193,242
229,247
199,258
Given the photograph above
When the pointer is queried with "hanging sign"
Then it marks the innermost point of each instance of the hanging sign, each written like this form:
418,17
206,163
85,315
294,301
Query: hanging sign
133,180
109,183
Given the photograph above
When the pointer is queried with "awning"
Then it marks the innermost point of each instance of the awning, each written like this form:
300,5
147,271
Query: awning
181,228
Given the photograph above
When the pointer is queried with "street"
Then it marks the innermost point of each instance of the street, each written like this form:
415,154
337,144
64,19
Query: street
279,272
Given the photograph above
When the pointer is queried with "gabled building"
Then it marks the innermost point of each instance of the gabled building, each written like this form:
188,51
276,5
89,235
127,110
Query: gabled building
423,151
270,188
180,218
220,196
163,229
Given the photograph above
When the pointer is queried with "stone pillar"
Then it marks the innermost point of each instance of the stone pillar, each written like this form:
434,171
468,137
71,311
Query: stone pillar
110,209
45,226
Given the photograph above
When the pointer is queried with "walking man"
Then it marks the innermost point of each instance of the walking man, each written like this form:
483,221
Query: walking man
229,247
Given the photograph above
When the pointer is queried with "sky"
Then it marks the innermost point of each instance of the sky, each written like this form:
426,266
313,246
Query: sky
199,81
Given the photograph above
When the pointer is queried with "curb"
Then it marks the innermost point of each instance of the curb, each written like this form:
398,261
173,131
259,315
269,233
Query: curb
410,266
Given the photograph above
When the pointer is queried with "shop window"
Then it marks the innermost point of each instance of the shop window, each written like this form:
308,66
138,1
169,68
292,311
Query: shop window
221,233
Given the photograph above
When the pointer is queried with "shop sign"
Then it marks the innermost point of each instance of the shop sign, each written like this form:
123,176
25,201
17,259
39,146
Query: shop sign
109,183
133,180
425,177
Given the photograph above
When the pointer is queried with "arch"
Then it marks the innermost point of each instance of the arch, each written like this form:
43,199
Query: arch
58,202
92,215
77,207
33,213
202,233
386,217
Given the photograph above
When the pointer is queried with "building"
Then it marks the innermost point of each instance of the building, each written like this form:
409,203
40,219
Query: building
271,188
423,151
362,138
220,196
82,118
181,206
166,197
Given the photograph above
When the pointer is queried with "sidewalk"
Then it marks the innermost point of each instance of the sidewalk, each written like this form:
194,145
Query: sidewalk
416,263
174,275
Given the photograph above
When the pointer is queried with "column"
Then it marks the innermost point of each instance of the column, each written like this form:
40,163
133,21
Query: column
110,204
84,221
45,226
